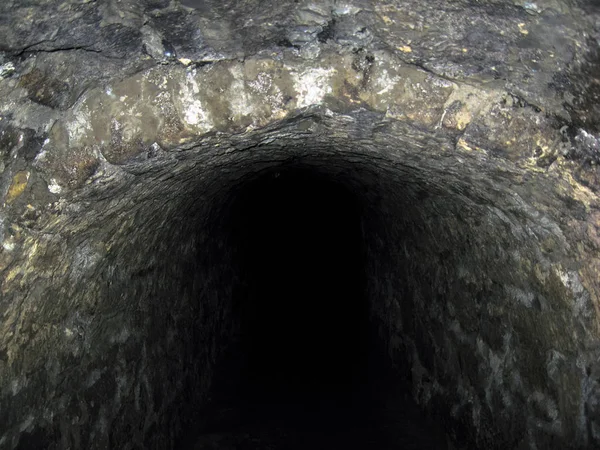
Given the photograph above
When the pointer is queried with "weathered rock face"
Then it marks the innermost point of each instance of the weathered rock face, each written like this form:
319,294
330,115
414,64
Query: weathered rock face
465,133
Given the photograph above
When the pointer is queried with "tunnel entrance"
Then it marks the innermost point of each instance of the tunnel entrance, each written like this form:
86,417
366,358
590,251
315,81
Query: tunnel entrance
307,369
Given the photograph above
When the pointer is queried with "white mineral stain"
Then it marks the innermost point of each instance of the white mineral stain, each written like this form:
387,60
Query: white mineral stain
384,82
78,126
312,86
238,99
164,83
276,101
531,6
8,245
262,84
345,9
6,69
191,80
571,281
85,259
193,110
195,114
54,187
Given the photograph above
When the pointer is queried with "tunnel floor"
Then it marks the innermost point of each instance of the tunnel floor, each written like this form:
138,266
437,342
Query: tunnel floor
306,369
379,414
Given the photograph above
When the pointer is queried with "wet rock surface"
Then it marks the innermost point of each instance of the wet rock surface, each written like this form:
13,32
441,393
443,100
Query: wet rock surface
174,172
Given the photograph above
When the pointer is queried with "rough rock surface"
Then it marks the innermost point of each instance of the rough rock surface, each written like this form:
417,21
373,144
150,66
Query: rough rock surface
469,131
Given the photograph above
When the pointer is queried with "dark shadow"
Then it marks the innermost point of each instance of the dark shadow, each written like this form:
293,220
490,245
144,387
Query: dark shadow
306,370
304,321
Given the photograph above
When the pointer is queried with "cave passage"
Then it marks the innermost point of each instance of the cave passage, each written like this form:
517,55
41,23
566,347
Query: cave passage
306,359
306,286
266,225
305,314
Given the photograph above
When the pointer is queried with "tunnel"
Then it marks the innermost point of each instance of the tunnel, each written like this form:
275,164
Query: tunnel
295,289
352,288
303,335
307,360
299,225
305,308
318,283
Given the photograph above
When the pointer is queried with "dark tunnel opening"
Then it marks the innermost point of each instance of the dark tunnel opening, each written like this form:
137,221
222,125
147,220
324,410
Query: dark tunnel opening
307,358
304,314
